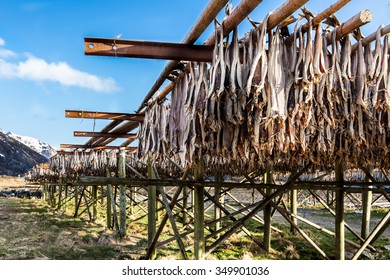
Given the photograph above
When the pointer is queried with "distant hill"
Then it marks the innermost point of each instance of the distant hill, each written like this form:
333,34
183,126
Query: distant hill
35,144
17,158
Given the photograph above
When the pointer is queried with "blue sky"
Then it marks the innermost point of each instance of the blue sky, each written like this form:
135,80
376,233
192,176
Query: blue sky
43,69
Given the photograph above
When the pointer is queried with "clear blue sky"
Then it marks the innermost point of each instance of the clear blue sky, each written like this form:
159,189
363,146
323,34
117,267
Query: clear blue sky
43,69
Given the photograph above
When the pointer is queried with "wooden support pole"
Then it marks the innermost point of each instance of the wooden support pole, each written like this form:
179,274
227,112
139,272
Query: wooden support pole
94,202
186,193
219,198
367,202
66,196
59,203
76,201
382,224
267,212
109,203
200,245
152,200
122,193
294,209
173,223
339,223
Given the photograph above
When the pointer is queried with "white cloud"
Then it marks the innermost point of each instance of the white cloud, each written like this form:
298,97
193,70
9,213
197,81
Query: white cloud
37,69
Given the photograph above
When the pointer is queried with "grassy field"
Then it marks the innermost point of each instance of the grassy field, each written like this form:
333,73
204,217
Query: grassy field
30,229
11,182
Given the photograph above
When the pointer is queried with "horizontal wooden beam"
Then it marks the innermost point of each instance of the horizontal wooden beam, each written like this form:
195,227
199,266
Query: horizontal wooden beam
365,41
346,186
147,49
75,146
104,135
103,115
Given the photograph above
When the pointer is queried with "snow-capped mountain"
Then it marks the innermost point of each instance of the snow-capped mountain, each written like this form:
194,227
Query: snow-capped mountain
16,158
35,144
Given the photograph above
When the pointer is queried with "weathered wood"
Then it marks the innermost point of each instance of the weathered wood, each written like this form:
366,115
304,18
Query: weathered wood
294,208
81,114
339,222
321,16
239,223
109,204
350,25
199,244
152,211
122,193
173,223
104,135
76,201
207,16
244,8
348,187
384,222
94,202
366,207
218,197
365,41
267,212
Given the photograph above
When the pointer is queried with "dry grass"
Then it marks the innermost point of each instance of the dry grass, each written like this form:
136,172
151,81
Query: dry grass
31,230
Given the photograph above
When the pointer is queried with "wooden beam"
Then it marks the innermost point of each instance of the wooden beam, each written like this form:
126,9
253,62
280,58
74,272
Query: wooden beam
339,221
80,114
147,49
267,212
321,16
207,16
200,243
104,135
348,187
122,192
238,15
75,146
152,212
350,25
365,41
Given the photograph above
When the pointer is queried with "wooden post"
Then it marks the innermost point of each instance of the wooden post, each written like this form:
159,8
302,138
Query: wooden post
122,192
186,193
109,201
267,212
59,195
294,209
340,234
76,201
94,203
367,201
66,196
218,197
200,245
53,196
152,198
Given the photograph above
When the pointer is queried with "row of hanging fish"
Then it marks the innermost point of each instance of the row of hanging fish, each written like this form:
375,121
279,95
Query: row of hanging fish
274,103
70,166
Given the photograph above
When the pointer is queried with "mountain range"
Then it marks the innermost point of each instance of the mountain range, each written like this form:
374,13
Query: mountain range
18,154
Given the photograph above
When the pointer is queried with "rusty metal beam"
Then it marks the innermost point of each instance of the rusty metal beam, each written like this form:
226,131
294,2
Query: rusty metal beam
75,146
147,49
103,115
104,135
